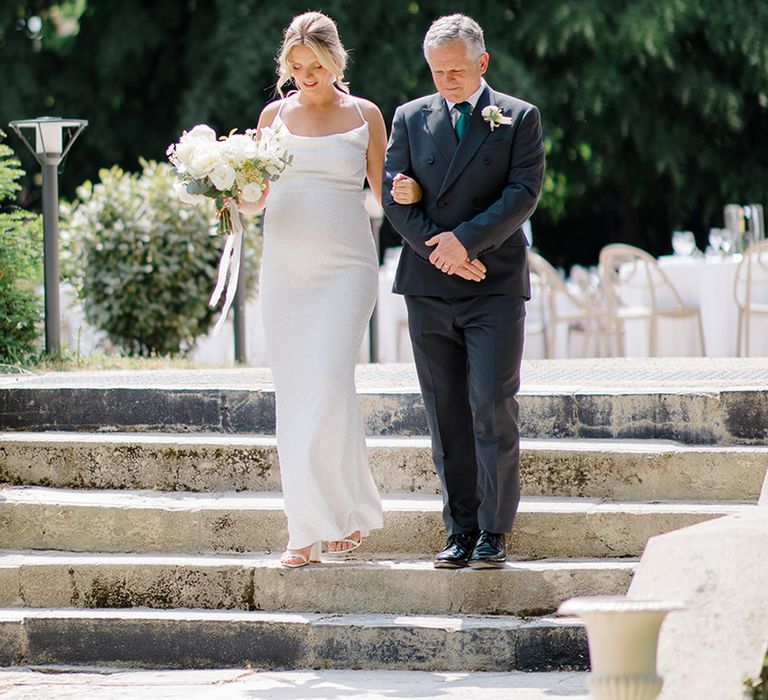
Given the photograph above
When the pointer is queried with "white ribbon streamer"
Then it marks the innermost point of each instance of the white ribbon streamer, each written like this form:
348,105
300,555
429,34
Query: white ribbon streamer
229,262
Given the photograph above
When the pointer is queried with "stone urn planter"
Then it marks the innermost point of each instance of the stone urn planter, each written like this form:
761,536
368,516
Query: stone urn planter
623,635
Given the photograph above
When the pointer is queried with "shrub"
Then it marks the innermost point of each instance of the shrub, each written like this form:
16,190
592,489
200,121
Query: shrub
143,263
20,267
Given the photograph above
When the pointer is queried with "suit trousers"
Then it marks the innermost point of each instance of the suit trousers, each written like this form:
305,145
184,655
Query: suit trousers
468,352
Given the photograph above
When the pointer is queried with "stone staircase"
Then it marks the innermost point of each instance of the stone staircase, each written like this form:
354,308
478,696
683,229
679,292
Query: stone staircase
141,521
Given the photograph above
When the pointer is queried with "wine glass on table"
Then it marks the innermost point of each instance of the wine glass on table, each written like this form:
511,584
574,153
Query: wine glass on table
683,243
716,240
727,241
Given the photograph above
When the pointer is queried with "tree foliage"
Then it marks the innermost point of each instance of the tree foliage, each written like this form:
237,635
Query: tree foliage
655,111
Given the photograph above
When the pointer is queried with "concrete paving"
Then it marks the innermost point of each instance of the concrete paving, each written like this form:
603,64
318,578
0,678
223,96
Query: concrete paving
110,684
537,375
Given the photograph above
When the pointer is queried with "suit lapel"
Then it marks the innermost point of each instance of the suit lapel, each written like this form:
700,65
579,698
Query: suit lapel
477,132
439,126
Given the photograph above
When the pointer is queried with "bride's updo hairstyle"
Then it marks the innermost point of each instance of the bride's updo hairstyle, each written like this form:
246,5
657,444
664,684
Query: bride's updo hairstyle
317,32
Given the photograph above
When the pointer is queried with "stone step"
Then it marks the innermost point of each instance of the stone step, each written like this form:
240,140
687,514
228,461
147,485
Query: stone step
235,639
259,582
690,400
613,469
151,521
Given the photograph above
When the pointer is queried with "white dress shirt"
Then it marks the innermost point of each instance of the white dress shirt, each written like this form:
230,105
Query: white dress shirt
472,99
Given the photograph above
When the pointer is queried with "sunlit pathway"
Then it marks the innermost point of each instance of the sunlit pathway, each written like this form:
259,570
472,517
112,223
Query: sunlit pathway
289,685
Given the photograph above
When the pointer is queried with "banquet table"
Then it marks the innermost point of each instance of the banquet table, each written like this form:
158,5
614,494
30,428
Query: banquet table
706,283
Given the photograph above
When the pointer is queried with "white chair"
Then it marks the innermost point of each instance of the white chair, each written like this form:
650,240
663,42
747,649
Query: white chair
629,273
578,313
751,292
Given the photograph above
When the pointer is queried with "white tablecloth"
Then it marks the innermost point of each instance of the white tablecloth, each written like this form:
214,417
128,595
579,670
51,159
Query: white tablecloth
393,343
706,283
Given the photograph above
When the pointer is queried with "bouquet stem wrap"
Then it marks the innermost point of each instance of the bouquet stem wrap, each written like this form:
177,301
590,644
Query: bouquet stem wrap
229,263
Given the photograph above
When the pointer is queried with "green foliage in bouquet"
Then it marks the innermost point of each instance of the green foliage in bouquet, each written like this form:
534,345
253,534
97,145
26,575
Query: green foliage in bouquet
20,267
143,263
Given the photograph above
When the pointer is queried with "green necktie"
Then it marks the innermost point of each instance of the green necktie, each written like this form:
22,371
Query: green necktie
465,110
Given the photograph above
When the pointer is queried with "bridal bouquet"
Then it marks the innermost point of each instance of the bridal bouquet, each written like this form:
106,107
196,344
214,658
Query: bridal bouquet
230,167
226,169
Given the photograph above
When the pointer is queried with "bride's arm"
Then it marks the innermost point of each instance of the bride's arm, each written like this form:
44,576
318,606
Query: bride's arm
268,114
377,144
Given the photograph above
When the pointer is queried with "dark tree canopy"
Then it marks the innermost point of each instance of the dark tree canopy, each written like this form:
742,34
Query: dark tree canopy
655,111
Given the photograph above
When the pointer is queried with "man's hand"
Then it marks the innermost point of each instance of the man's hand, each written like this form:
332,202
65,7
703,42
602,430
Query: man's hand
472,270
448,254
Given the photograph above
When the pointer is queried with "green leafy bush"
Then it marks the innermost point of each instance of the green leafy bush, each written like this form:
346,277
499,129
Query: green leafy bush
20,267
144,263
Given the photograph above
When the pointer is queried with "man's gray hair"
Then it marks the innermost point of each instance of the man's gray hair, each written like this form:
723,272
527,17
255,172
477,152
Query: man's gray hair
455,28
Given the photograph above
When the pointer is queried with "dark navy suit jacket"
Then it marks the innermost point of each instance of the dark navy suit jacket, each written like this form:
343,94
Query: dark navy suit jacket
483,189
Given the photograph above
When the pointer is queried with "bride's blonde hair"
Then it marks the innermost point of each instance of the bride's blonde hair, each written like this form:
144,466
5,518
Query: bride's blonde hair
317,32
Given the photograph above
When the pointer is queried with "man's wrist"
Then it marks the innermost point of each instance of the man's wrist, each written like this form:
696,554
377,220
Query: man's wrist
461,238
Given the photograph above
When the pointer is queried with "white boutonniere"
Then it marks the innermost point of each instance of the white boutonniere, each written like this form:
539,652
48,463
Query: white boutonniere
494,116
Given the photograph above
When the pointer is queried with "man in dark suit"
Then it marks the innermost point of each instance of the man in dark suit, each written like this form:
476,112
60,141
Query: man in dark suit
478,157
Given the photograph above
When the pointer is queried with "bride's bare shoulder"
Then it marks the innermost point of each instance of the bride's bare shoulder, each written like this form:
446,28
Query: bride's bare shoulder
269,113
368,108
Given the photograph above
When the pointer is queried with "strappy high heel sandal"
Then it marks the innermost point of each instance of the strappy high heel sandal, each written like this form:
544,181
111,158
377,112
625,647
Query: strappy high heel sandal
294,559
353,544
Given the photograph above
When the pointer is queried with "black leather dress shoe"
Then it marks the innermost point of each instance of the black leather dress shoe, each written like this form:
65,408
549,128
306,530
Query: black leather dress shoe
490,551
456,552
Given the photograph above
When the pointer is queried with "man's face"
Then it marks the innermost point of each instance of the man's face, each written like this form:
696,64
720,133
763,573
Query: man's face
456,75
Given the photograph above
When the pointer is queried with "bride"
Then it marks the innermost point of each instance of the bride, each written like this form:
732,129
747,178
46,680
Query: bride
318,286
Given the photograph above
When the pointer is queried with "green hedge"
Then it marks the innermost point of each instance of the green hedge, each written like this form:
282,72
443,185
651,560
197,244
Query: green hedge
20,268
143,263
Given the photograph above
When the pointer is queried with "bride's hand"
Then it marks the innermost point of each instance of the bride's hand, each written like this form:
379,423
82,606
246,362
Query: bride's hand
254,207
405,190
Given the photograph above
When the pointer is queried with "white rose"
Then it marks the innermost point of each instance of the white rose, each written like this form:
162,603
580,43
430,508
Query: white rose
183,153
238,148
180,189
222,176
201,131
205,157
251,192
268,150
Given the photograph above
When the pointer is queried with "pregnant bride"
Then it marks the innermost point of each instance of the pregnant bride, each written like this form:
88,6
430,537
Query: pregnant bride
318,287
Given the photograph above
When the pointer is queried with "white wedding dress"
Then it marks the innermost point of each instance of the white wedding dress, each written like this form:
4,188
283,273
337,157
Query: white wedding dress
318,287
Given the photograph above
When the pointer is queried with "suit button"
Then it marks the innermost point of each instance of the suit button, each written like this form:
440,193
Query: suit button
487,160
430,160
440,202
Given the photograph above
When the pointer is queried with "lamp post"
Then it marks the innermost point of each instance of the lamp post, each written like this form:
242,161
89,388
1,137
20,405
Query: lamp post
49,150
